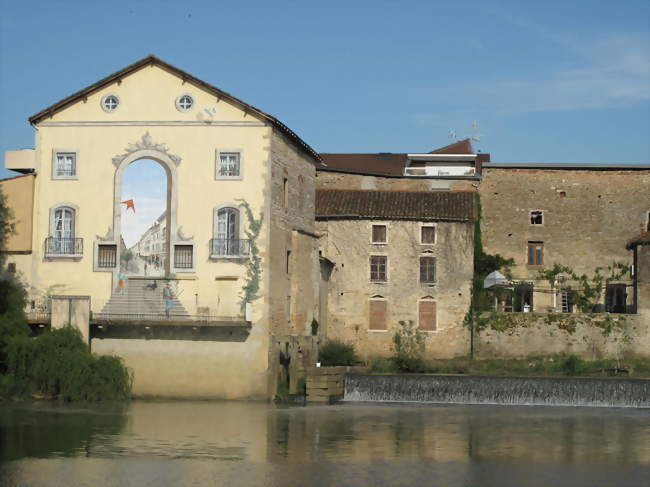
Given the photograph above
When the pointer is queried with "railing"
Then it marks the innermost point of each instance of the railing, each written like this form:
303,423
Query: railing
226,247
64,246
159,317
106,256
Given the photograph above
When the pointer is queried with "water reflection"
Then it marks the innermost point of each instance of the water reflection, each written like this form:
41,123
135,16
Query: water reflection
230,443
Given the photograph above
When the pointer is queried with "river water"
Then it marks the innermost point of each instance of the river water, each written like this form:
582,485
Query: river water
256,444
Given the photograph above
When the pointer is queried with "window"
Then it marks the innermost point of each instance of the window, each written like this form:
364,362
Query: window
62,239
11,267
288,262
615,298
535,253
377,314
227,242
427,315
428,270
184,103
183,258
65,165
565,301
378,265
647,225
379,234
229,165
110,103
428,234
537,217
106,256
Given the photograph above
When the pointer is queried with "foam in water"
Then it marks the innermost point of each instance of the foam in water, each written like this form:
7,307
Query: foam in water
499,390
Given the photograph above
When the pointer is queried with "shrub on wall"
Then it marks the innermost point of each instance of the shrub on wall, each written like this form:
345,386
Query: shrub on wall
336,352
59,364
408,348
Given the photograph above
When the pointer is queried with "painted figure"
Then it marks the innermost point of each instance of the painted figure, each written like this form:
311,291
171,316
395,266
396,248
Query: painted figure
168,298
121,282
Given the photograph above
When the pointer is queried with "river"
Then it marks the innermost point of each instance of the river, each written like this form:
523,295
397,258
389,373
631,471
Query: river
183,443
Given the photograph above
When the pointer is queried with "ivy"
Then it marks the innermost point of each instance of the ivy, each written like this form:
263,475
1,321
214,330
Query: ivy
586,291
250,291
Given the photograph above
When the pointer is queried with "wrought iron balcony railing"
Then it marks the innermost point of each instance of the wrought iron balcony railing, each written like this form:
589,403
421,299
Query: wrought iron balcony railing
226,247
64,246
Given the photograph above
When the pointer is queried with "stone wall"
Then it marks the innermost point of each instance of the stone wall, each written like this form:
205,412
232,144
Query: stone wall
588,216
643,280
347,243
514,335
293,263
342,180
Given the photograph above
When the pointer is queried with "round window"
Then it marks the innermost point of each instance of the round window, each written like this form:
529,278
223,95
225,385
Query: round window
184,103
110,103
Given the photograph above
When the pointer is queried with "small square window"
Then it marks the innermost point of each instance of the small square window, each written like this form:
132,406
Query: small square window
183,256
229,165
535,253
65,165
379,234
428,270
378,266
428,234
11,268
536,217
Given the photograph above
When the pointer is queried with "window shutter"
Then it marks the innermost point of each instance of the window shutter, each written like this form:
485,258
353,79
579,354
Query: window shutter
377,315
427,315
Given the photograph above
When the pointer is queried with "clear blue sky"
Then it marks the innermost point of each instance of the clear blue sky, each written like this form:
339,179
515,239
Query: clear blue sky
553,81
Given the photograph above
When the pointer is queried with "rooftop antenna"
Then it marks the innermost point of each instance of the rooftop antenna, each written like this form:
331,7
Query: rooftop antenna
452,134
475,135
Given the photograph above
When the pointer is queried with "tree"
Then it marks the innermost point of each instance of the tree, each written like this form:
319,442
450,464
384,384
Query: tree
12,293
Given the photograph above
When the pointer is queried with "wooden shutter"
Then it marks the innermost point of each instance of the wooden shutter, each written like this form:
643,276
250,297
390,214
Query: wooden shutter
377,315
427,315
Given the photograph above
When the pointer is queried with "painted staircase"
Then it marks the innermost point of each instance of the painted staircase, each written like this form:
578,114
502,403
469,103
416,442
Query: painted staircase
143,300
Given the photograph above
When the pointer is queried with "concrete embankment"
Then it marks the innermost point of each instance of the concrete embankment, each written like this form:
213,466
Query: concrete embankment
539,391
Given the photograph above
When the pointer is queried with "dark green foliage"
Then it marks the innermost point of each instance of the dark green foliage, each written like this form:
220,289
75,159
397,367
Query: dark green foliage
12,315
484,264
336,352
410,365
314,327
6,227
382,365
59,364
573,365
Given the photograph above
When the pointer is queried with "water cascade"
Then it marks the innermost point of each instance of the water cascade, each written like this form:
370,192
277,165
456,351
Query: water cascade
499,390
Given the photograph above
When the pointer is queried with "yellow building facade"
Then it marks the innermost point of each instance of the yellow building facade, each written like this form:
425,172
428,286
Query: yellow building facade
225,161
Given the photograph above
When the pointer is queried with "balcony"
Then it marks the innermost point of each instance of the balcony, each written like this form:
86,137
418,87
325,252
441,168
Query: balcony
64,247
225,248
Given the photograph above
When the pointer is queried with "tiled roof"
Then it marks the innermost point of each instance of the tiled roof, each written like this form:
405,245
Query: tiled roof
378,164
643,239
394,205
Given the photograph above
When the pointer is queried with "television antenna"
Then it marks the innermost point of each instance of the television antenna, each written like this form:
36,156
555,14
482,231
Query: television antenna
475,135
452,134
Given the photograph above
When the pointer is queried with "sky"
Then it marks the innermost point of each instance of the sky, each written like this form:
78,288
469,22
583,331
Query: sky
552,81
144,182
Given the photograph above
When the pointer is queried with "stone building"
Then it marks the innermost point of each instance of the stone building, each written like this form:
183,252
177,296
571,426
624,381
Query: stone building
576,215
239,230
397,256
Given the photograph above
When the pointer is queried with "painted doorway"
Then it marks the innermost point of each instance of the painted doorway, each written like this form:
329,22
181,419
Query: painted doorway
144,215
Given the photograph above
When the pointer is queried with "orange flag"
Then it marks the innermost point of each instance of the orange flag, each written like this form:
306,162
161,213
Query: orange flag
129,204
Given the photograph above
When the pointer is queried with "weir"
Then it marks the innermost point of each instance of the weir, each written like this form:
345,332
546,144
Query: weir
538,391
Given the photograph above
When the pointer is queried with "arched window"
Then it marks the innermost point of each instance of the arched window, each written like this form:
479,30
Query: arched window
226,241
63,231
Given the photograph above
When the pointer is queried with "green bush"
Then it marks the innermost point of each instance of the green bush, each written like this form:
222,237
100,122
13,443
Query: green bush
382,365
408,347
58,363
336,352
12,316
573,365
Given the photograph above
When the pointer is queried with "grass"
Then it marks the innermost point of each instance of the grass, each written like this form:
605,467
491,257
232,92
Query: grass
544,366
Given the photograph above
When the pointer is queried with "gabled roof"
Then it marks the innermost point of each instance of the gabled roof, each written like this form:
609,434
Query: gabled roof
153,60
341,204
